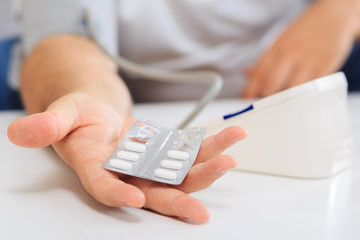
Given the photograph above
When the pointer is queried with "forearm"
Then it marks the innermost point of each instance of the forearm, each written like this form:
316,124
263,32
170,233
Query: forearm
65,64
354,5
349,12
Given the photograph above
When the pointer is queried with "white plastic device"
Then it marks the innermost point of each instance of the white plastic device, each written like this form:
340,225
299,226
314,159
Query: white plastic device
301,132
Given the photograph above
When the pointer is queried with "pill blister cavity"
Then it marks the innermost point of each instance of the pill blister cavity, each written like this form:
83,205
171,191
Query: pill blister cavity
120,164
147,128
180,155
171,164
184,146
135,147
165,174
190,134
126,155
140,137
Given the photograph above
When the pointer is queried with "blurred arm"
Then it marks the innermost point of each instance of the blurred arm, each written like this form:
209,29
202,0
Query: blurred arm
64,64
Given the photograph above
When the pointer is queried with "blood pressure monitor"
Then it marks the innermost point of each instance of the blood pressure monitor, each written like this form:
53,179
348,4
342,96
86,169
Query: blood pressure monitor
301,132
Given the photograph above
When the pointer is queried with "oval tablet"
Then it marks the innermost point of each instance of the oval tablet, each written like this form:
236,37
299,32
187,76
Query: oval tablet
178,155
166,174
171,164
135,147
120,164
127,155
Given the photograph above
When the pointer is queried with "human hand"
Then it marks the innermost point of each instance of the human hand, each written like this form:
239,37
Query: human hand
315,45
85,132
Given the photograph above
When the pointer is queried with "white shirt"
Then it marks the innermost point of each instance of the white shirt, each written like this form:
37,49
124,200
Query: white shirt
222,35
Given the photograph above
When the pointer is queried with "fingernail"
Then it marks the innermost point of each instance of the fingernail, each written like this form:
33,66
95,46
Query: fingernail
223,171
123,204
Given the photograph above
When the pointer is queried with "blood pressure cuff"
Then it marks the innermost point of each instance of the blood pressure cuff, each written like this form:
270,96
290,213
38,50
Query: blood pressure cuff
42,18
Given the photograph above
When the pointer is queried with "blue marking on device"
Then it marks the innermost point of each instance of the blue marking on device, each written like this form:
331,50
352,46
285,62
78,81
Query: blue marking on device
251,107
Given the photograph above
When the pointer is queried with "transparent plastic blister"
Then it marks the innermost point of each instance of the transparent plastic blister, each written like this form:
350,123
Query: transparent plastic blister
156,153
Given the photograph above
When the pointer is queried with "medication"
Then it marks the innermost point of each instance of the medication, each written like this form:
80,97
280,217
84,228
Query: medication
136,147
178,155
157,153
166,174
127,155
171,164
120,164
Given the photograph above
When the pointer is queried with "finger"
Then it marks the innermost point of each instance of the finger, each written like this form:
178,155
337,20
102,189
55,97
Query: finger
115,193
107,188
250,90
277,76
42,129
301,75
37,130
172,202
328,66
256,76
203,175
251,87
215,145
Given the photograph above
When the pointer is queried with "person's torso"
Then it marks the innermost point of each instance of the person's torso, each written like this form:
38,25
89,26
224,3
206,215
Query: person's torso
222,35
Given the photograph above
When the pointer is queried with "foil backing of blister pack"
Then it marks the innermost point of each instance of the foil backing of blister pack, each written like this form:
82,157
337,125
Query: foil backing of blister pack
157,153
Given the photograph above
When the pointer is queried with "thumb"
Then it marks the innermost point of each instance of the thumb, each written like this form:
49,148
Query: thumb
42,129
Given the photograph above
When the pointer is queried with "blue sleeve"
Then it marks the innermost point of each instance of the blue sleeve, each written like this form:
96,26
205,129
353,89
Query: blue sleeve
41,18
9,98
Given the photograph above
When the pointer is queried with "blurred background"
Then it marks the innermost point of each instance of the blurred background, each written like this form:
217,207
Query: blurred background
9,46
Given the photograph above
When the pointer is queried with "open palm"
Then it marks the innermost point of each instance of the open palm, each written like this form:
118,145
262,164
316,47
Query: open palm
85,132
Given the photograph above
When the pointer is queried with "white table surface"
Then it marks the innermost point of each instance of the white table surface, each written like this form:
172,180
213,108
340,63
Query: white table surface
42,198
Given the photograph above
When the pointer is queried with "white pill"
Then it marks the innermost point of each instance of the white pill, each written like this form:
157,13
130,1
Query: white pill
120,164
166,174
180,155
135,147
127,155
171,164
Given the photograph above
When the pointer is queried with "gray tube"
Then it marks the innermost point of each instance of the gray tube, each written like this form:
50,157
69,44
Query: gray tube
214,79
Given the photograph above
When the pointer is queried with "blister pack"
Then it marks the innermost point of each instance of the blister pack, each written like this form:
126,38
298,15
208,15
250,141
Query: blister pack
156,153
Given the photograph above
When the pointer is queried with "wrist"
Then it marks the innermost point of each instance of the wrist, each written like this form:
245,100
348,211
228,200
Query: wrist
349,12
